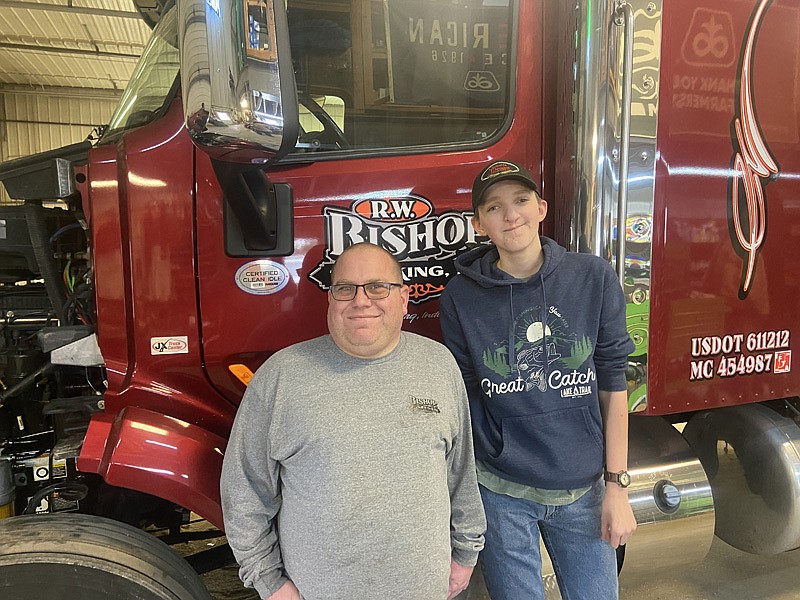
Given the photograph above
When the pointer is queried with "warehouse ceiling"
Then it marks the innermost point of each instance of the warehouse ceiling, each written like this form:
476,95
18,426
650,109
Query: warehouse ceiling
94,44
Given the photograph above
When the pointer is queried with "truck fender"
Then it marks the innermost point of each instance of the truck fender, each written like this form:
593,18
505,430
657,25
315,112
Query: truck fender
159,455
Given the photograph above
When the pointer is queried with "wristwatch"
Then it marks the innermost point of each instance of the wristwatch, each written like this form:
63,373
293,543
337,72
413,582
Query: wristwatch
621,478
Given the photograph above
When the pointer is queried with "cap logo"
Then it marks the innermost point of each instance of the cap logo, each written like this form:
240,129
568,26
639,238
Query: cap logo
497,169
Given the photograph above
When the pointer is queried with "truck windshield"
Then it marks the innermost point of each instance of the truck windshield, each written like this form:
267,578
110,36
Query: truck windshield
149,88
400,74
370,75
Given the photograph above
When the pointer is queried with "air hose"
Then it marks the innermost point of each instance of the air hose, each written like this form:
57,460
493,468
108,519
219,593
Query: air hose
40,240
69,490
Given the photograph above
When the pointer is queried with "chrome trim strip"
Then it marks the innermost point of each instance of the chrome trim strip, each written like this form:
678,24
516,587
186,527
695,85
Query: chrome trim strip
624,17
604,171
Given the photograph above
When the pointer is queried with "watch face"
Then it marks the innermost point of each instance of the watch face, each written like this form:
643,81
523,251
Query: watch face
624,479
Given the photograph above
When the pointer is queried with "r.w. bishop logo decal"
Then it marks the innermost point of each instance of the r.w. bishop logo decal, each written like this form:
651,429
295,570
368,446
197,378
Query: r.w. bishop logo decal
423,242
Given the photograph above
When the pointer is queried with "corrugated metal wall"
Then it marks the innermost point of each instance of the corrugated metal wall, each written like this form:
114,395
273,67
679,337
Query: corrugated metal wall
35,121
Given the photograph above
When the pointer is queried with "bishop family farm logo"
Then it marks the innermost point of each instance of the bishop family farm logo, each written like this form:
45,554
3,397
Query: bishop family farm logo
423,242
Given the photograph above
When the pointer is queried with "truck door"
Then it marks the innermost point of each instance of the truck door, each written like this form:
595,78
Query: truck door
400,103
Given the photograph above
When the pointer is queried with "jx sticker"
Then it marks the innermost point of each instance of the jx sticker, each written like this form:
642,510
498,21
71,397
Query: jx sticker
176,344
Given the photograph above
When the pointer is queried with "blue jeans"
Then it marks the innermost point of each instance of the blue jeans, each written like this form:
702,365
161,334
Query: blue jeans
585,565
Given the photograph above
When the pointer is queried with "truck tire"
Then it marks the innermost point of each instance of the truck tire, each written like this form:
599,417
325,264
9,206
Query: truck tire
91,558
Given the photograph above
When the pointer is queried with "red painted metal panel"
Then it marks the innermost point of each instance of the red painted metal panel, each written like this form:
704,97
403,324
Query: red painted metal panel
142,206
716,338
158,455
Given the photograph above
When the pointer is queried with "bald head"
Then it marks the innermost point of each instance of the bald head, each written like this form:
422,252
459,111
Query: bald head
397,272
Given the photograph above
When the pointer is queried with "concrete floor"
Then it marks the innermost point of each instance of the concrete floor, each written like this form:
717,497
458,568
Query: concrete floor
725,574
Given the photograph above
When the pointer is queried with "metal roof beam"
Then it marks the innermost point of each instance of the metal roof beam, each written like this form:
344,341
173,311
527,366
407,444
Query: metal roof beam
61,50
63,8
53,90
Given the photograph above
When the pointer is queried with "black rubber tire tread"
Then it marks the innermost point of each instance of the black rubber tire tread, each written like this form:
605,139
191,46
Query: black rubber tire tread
97,553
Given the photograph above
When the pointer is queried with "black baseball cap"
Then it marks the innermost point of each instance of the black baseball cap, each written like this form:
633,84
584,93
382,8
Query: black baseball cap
499,170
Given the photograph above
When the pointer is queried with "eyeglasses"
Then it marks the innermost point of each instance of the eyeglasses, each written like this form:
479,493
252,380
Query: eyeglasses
375,290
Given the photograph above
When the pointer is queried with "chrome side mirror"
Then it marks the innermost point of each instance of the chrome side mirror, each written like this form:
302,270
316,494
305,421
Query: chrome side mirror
239,91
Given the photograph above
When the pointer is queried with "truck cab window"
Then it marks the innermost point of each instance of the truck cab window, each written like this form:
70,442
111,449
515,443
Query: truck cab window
404,73
153,79
321,122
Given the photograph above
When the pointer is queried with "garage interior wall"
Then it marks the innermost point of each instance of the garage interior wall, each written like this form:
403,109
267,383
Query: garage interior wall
34,121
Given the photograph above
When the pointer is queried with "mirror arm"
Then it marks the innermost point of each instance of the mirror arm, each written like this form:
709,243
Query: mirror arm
252,201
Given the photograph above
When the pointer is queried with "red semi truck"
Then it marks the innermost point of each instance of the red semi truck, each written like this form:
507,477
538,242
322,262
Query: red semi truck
146,275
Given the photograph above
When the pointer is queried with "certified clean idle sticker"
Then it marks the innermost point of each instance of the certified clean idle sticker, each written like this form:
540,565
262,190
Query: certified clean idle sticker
173,344
262,277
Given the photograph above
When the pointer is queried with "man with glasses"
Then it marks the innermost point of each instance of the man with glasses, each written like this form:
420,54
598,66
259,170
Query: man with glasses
350,473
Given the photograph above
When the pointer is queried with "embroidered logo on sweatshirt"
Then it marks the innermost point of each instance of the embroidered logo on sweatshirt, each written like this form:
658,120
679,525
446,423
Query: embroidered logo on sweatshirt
546,357
428,405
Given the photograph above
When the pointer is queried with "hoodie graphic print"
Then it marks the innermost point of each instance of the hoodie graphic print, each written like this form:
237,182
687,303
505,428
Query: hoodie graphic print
534,355
544,357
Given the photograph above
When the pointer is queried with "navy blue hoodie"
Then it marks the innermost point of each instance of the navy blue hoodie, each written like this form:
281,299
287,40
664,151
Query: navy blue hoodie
534,355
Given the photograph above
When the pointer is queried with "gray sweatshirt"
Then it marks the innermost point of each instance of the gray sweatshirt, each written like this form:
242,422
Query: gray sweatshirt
354,478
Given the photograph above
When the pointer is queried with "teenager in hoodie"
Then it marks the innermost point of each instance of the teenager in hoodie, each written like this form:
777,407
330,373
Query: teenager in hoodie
539,334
